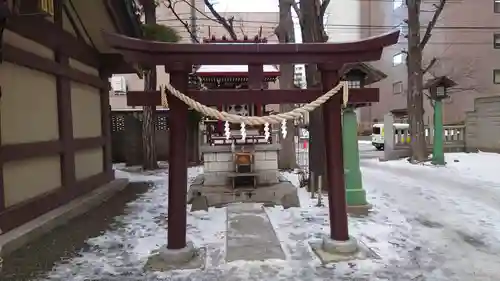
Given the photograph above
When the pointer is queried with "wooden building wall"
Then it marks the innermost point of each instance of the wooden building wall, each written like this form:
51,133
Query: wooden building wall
55,126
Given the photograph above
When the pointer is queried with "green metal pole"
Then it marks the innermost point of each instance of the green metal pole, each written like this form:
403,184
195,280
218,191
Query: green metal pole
355,194
437,147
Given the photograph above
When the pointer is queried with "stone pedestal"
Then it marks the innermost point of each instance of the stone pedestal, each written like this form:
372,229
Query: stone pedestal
283,193
219,162
186,258
179,255
339,247
213,187
329,250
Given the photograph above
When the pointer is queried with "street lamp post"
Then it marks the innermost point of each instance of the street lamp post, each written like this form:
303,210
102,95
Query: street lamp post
355,194
438,89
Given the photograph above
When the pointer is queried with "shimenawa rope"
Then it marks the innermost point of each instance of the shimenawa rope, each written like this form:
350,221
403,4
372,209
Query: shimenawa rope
255,120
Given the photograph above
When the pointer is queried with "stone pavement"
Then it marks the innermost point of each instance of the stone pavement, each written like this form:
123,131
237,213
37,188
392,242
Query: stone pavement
250,235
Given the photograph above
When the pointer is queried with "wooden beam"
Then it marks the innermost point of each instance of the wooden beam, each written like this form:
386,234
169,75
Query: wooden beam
106,126
217,97
64,112
48,35
153,59
23,151
27,59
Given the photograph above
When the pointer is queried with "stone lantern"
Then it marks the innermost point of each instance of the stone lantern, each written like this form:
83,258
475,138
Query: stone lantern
355,78
357,75
438,89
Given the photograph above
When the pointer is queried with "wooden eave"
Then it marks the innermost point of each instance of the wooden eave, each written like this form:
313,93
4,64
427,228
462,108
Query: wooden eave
373,74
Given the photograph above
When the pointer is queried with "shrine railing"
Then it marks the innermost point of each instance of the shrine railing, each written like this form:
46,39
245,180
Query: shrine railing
453,137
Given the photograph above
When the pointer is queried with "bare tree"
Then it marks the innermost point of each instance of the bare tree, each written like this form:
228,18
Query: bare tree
286,34
227,23
311,14
415,73
463,73
148,112
190,29
152,31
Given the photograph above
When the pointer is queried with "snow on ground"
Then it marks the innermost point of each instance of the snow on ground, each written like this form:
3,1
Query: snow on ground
427,223
473,166
123,250
453,211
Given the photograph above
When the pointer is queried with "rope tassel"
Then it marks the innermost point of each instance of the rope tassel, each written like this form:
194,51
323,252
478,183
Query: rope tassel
227,130
266,132
283,128
243,132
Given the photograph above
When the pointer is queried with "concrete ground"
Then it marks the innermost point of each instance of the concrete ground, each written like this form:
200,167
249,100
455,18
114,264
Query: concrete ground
250,235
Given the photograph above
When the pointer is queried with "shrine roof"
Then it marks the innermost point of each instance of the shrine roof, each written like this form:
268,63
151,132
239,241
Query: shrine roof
234,70
226,40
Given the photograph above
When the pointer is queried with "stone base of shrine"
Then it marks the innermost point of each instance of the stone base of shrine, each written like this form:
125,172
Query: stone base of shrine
202,197
329,251
187,258
218,163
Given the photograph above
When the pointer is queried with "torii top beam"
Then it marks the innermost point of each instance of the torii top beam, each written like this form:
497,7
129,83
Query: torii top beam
152,53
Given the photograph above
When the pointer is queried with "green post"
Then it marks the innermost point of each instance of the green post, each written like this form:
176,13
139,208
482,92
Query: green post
355,194
437,147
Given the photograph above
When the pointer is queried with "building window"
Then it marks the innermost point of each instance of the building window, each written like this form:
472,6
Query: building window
397,59
496,40
398,3
496,76
397,87
496,6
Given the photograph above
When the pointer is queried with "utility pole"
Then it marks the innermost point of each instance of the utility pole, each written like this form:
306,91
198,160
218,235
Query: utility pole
194,27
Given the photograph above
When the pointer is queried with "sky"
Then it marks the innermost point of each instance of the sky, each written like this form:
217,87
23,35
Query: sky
246,5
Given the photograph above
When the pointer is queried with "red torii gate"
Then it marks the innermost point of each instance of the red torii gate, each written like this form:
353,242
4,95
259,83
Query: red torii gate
178,60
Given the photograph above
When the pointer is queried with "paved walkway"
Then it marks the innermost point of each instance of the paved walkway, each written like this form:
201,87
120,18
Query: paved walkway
250,235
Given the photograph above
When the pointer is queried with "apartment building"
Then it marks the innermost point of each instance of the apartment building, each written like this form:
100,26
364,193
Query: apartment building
245,23
465,42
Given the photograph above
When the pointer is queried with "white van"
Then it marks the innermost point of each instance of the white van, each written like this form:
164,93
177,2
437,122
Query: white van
378,134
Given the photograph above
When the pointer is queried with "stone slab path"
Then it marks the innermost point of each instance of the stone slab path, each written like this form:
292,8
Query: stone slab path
250,235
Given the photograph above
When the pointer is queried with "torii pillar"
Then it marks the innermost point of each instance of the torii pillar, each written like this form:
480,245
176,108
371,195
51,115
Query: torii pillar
332,124
178,159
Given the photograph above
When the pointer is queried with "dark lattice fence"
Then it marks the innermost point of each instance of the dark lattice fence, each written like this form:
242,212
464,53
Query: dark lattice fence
126,136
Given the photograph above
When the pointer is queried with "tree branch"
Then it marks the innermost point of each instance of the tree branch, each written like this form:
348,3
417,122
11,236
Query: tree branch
321,14
432,24
226,23
322,9
171,7
242,30
187,2
297,10
429,66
